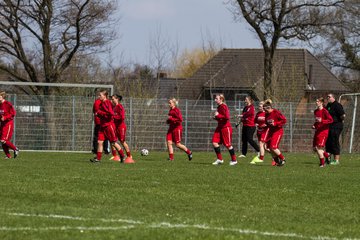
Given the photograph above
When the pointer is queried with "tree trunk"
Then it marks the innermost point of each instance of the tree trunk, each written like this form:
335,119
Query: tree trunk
48,101
268,70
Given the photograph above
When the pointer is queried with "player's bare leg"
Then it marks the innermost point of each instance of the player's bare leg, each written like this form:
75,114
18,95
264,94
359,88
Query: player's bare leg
170,150
262,150
320,153
118,148
280,158
219,159
126,147
232,155
185,149
98,153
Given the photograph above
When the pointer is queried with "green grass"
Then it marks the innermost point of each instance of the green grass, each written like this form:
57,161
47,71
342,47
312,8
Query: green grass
64,196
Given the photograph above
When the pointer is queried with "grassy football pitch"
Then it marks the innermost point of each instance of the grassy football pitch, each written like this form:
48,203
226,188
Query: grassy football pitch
64,196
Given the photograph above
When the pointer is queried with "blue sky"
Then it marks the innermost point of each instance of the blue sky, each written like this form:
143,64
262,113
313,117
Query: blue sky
186,22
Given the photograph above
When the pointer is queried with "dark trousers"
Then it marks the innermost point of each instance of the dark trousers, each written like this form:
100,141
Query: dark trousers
247,135
106,145
333,143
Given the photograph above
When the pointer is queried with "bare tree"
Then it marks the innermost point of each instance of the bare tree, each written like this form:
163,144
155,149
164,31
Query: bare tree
340,47
161,50
44,36
276,20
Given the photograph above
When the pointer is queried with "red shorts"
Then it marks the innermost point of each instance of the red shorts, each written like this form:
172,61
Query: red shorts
7,130
121,132
223,135
174,135
107,132
320,138
273,139
262,135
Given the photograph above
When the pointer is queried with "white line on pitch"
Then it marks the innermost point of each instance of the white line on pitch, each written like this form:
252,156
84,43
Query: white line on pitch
157,225
64,228
75,218
242,231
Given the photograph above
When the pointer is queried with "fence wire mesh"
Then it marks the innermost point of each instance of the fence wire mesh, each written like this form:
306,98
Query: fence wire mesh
61,123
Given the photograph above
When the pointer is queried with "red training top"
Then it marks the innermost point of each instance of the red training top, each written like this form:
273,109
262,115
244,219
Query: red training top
96,107
322,119
248,116
260,121
223,118
105,113
175,118
7,111
119,114
275,120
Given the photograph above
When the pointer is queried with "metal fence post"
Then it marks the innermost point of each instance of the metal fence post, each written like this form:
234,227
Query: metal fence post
92,129
353,125
239,128
291,127
73,124
186,122
131,122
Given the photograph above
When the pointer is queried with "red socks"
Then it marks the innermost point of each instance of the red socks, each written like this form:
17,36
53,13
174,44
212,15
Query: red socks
121,152
113,152
98,155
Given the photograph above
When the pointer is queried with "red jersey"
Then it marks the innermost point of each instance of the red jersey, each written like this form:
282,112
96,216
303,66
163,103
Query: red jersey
248,116
7,112
119,114
96,107
322,119
105,113
223,118
260,121
275,120
175,118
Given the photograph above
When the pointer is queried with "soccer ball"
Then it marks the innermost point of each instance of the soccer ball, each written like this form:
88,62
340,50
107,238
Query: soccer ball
144,152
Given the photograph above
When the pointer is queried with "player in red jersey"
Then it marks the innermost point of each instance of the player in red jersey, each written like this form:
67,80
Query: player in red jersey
120,125
174,133
7,114
323,120
107,127
261,133
248,129
97,126
223,132
275,121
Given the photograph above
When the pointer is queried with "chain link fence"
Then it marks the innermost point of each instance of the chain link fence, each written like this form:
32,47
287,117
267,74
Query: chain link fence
59,123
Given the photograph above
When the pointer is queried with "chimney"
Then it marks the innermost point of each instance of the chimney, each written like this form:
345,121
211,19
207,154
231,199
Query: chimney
161,75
